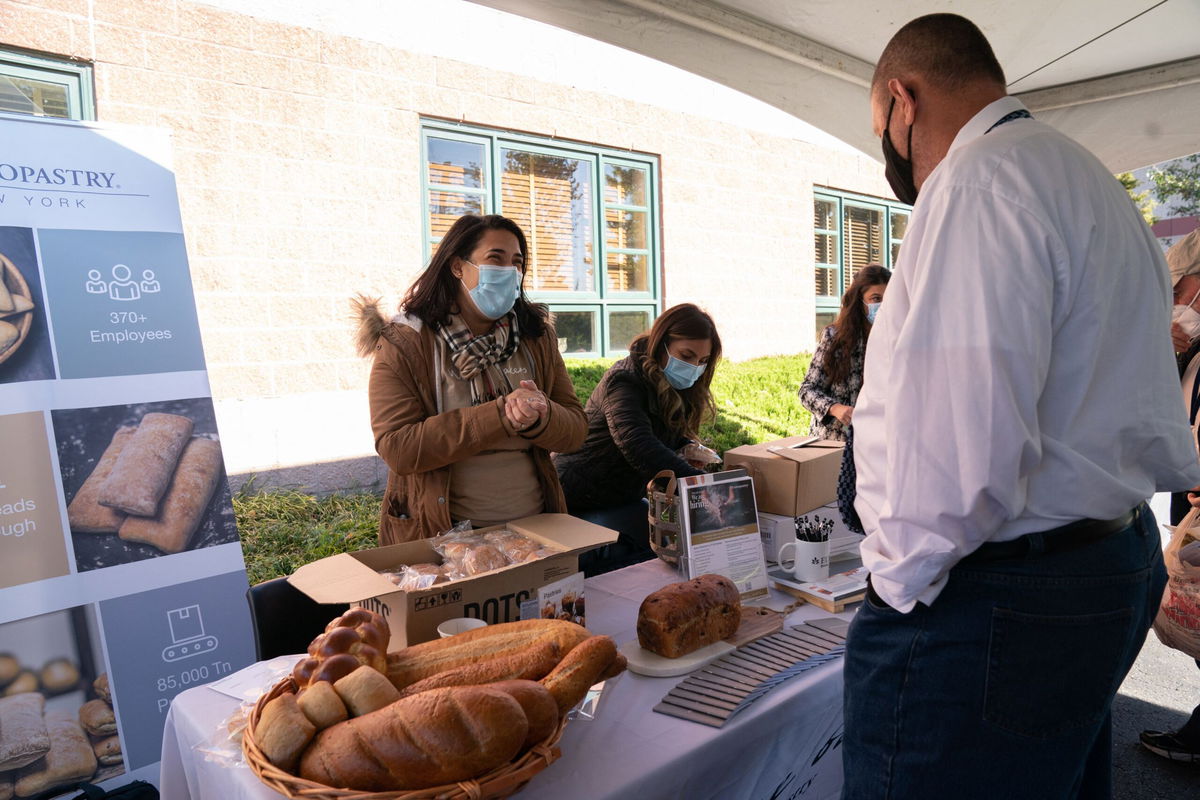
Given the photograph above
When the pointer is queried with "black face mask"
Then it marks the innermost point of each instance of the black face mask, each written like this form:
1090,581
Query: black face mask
897,169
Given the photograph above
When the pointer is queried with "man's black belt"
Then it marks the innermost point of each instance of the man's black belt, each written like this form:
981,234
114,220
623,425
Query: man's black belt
1056,540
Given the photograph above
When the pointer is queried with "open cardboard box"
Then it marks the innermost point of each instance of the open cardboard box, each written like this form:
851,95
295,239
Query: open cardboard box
494,596
790,480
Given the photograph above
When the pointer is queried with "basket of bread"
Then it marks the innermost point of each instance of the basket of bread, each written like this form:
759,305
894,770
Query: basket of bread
475,715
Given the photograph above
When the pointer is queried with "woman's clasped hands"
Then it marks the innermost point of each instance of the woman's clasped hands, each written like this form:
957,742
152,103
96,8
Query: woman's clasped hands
525,407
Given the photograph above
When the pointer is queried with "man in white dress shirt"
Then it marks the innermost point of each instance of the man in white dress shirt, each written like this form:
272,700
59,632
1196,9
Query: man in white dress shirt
1020,403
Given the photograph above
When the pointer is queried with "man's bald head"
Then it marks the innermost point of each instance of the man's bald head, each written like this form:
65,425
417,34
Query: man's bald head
946,51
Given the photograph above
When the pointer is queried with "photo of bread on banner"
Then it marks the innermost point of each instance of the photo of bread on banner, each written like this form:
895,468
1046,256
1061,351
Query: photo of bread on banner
16,318
436,713
151,485
42,749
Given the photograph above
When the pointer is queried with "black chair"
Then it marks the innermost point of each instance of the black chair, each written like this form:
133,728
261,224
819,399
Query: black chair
632,545
285,619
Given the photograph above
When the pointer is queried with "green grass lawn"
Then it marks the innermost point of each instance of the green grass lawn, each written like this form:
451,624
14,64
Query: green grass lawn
756,402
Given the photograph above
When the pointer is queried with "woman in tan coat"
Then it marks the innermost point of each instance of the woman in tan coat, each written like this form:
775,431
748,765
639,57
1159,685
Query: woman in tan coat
468,393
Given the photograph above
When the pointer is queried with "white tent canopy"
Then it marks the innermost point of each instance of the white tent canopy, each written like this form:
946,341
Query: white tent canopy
1120,76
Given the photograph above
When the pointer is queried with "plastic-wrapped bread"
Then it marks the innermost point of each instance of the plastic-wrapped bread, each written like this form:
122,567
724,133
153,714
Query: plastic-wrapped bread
183,506
70,760
85,514
143,470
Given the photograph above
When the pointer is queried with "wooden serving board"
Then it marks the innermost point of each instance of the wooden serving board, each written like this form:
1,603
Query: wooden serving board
832,606
757,622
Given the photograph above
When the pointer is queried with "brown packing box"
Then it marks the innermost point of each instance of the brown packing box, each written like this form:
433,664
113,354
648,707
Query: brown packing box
493,596
794,482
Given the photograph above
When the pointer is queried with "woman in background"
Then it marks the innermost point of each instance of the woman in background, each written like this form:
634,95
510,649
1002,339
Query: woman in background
468,392
835,374
646,409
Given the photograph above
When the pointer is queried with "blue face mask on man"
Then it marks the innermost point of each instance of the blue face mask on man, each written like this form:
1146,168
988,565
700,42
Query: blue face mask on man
681,374
497,290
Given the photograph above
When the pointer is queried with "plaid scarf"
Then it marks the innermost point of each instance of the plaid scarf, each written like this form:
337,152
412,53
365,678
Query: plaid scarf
471,356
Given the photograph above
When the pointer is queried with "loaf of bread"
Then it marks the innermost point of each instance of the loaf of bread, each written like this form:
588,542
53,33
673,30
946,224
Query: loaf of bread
358,637
283,732
683,617
85,514
541,712
108,750
569,682
321,704
59,675
26,681
436,737
96,717
529,664
182,508
147,461
23,734
421,661
70,759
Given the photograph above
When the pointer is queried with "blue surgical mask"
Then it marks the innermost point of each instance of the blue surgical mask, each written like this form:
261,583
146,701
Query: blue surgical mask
497,290
681,374
872,310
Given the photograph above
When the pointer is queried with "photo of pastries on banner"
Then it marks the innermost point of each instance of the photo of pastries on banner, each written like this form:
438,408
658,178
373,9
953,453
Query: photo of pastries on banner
143,481
57,724
24,335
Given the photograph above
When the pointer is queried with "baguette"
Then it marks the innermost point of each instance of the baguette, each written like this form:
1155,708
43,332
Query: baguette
538,704
421,661
579,670
433,738
530,664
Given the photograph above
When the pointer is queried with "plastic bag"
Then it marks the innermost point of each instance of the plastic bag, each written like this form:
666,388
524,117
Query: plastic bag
699,454
1178,622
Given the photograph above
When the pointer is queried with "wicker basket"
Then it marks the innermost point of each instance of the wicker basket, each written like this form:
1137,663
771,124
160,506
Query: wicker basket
664,516
500,782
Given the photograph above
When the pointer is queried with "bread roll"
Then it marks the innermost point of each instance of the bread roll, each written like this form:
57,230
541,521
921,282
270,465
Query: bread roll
429,739
283,732
85,514
365,690
100,685
483,558
108,750
531,663
321,704
59,675
69,760
182,508
143,470
10,668
25,682
582,667
538,704
420,661
683,617
97,718
23,734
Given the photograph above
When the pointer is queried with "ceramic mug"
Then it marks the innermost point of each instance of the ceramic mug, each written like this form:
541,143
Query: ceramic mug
812,560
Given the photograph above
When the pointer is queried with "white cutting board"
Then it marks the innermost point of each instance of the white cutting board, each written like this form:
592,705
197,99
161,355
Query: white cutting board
643,662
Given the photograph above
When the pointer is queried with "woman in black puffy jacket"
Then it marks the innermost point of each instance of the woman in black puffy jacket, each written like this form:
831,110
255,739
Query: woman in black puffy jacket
645,410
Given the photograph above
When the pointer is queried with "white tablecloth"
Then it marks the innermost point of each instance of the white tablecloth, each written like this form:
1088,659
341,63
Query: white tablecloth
786,745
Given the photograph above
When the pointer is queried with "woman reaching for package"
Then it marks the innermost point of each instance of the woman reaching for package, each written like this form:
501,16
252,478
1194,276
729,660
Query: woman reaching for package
468,392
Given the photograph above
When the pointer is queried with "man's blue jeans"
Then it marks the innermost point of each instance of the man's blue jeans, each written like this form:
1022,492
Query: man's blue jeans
1003,687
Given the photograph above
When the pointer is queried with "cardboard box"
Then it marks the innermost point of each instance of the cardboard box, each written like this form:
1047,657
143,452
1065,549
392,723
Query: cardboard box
776,529
790,481
494,596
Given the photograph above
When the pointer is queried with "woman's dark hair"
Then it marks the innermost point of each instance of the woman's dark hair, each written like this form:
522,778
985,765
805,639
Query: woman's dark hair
851,327
434,294
685,410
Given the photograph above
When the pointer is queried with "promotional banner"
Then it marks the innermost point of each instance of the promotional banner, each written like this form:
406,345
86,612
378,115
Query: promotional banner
121,573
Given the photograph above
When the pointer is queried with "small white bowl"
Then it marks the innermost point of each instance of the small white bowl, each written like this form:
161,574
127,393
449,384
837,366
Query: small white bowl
459,625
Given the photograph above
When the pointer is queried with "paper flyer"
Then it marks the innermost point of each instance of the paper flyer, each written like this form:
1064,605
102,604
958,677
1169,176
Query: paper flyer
720,526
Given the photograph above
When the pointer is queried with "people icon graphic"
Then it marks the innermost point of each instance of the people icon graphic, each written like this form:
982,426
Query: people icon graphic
94,284
121,287
149,284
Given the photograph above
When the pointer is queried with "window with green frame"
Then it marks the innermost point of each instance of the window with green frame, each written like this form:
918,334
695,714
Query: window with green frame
850,232
45,87
590,215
